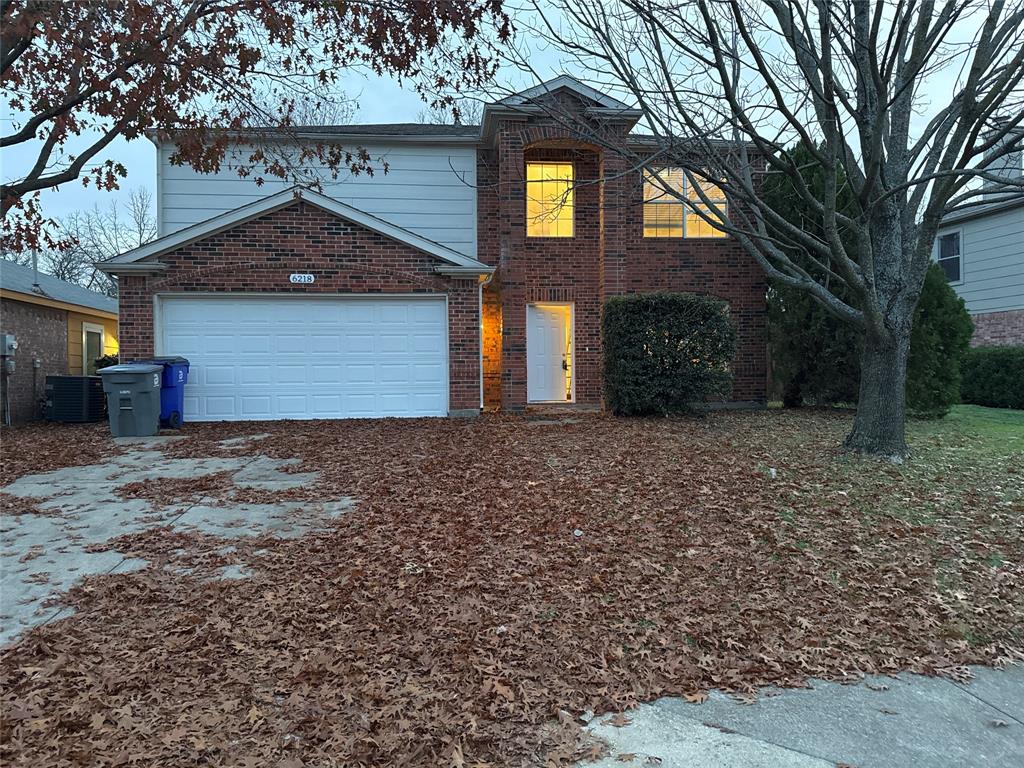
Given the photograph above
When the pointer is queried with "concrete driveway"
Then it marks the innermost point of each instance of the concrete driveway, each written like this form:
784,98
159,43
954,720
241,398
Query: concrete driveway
43,554
882,722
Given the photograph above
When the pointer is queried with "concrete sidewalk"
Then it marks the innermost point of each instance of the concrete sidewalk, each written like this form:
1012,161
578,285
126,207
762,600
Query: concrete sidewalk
883,722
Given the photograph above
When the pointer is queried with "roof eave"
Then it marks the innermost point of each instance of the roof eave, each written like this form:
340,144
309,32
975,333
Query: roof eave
397,138
134,267
468,271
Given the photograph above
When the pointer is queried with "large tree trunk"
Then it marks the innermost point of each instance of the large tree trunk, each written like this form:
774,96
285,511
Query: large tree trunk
879,427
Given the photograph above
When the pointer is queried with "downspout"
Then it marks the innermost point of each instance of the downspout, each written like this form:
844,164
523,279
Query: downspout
480,307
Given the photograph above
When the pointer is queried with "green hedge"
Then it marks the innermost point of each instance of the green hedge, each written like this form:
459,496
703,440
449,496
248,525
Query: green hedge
993,376
663,352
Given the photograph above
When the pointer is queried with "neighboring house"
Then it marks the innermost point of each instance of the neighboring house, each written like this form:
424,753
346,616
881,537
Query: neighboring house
60,328
981,250
470,275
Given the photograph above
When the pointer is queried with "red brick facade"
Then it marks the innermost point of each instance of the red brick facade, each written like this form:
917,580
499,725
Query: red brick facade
608,255
259,255
999,329
42,334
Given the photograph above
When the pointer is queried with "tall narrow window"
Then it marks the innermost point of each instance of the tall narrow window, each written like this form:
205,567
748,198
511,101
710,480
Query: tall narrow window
949,256
549,200
663,211
666,215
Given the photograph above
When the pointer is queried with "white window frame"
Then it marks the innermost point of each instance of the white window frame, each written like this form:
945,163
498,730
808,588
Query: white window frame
86,329
572,193
959,232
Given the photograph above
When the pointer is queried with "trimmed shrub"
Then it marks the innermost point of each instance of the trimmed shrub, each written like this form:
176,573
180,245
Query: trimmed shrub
106,361
664,352
940,338
993,376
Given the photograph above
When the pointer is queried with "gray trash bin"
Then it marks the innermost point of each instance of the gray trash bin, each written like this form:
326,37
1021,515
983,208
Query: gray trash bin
133,398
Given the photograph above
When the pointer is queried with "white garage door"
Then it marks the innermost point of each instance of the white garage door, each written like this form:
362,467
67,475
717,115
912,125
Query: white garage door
279,357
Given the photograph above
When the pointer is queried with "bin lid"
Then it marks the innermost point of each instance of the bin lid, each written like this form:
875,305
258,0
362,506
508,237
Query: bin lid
130,368
173,360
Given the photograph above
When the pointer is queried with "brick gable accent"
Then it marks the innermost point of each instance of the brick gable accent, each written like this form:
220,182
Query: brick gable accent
259,255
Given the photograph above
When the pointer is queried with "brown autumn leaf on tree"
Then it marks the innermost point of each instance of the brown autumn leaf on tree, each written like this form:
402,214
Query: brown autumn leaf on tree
212,72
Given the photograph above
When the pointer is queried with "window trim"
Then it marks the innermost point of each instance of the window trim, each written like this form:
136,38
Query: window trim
959,232
88,328
684,204
526,197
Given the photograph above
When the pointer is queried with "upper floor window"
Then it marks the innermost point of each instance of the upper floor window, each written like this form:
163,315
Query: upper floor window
666,215
949,256
549,200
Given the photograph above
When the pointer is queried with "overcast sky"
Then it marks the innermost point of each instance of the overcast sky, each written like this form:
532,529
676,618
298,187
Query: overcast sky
381,100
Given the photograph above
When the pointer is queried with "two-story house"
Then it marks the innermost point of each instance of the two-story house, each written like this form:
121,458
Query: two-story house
981,249
471,275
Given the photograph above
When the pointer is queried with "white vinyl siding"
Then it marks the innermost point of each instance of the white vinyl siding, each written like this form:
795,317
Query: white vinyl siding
991,261
429,190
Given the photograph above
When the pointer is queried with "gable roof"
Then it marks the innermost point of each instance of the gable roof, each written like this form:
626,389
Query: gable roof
21,279
567,82
137,260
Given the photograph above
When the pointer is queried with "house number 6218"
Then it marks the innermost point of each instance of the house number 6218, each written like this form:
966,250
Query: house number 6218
301,277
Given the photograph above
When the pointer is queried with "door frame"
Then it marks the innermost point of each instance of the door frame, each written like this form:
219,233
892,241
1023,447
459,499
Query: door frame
572,349
86,329
160,299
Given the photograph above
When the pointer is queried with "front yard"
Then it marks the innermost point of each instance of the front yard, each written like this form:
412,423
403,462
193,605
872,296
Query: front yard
496,577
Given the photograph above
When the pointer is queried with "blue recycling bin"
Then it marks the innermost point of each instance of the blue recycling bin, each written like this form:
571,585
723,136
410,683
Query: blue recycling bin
172,389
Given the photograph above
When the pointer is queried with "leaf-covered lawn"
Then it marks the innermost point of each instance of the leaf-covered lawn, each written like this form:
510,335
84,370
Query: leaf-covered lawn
499,571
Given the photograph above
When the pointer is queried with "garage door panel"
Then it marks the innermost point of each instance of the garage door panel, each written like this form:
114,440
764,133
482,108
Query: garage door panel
326,374
216,407
256,407
428,373
292,406
290,374
359,374
216,375
254,375
296,357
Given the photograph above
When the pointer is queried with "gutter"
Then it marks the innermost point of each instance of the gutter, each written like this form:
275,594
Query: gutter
118,268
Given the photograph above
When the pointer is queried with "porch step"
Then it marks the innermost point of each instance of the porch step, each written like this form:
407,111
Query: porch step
549,410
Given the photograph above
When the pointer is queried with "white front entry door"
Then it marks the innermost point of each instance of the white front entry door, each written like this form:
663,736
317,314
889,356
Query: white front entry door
300,357
548,353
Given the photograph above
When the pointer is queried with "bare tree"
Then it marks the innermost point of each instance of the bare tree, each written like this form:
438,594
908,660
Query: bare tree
95,235
725,86
462,111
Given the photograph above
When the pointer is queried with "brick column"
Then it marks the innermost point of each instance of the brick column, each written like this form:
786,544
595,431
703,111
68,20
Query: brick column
511,239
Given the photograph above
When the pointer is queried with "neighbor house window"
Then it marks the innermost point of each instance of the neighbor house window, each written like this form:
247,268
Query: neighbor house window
666,215
549,200
949,256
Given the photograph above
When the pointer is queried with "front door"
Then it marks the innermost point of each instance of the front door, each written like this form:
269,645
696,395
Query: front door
549,353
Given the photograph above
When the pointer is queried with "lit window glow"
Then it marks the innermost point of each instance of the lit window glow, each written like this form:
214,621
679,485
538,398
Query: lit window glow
549,200
665,215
